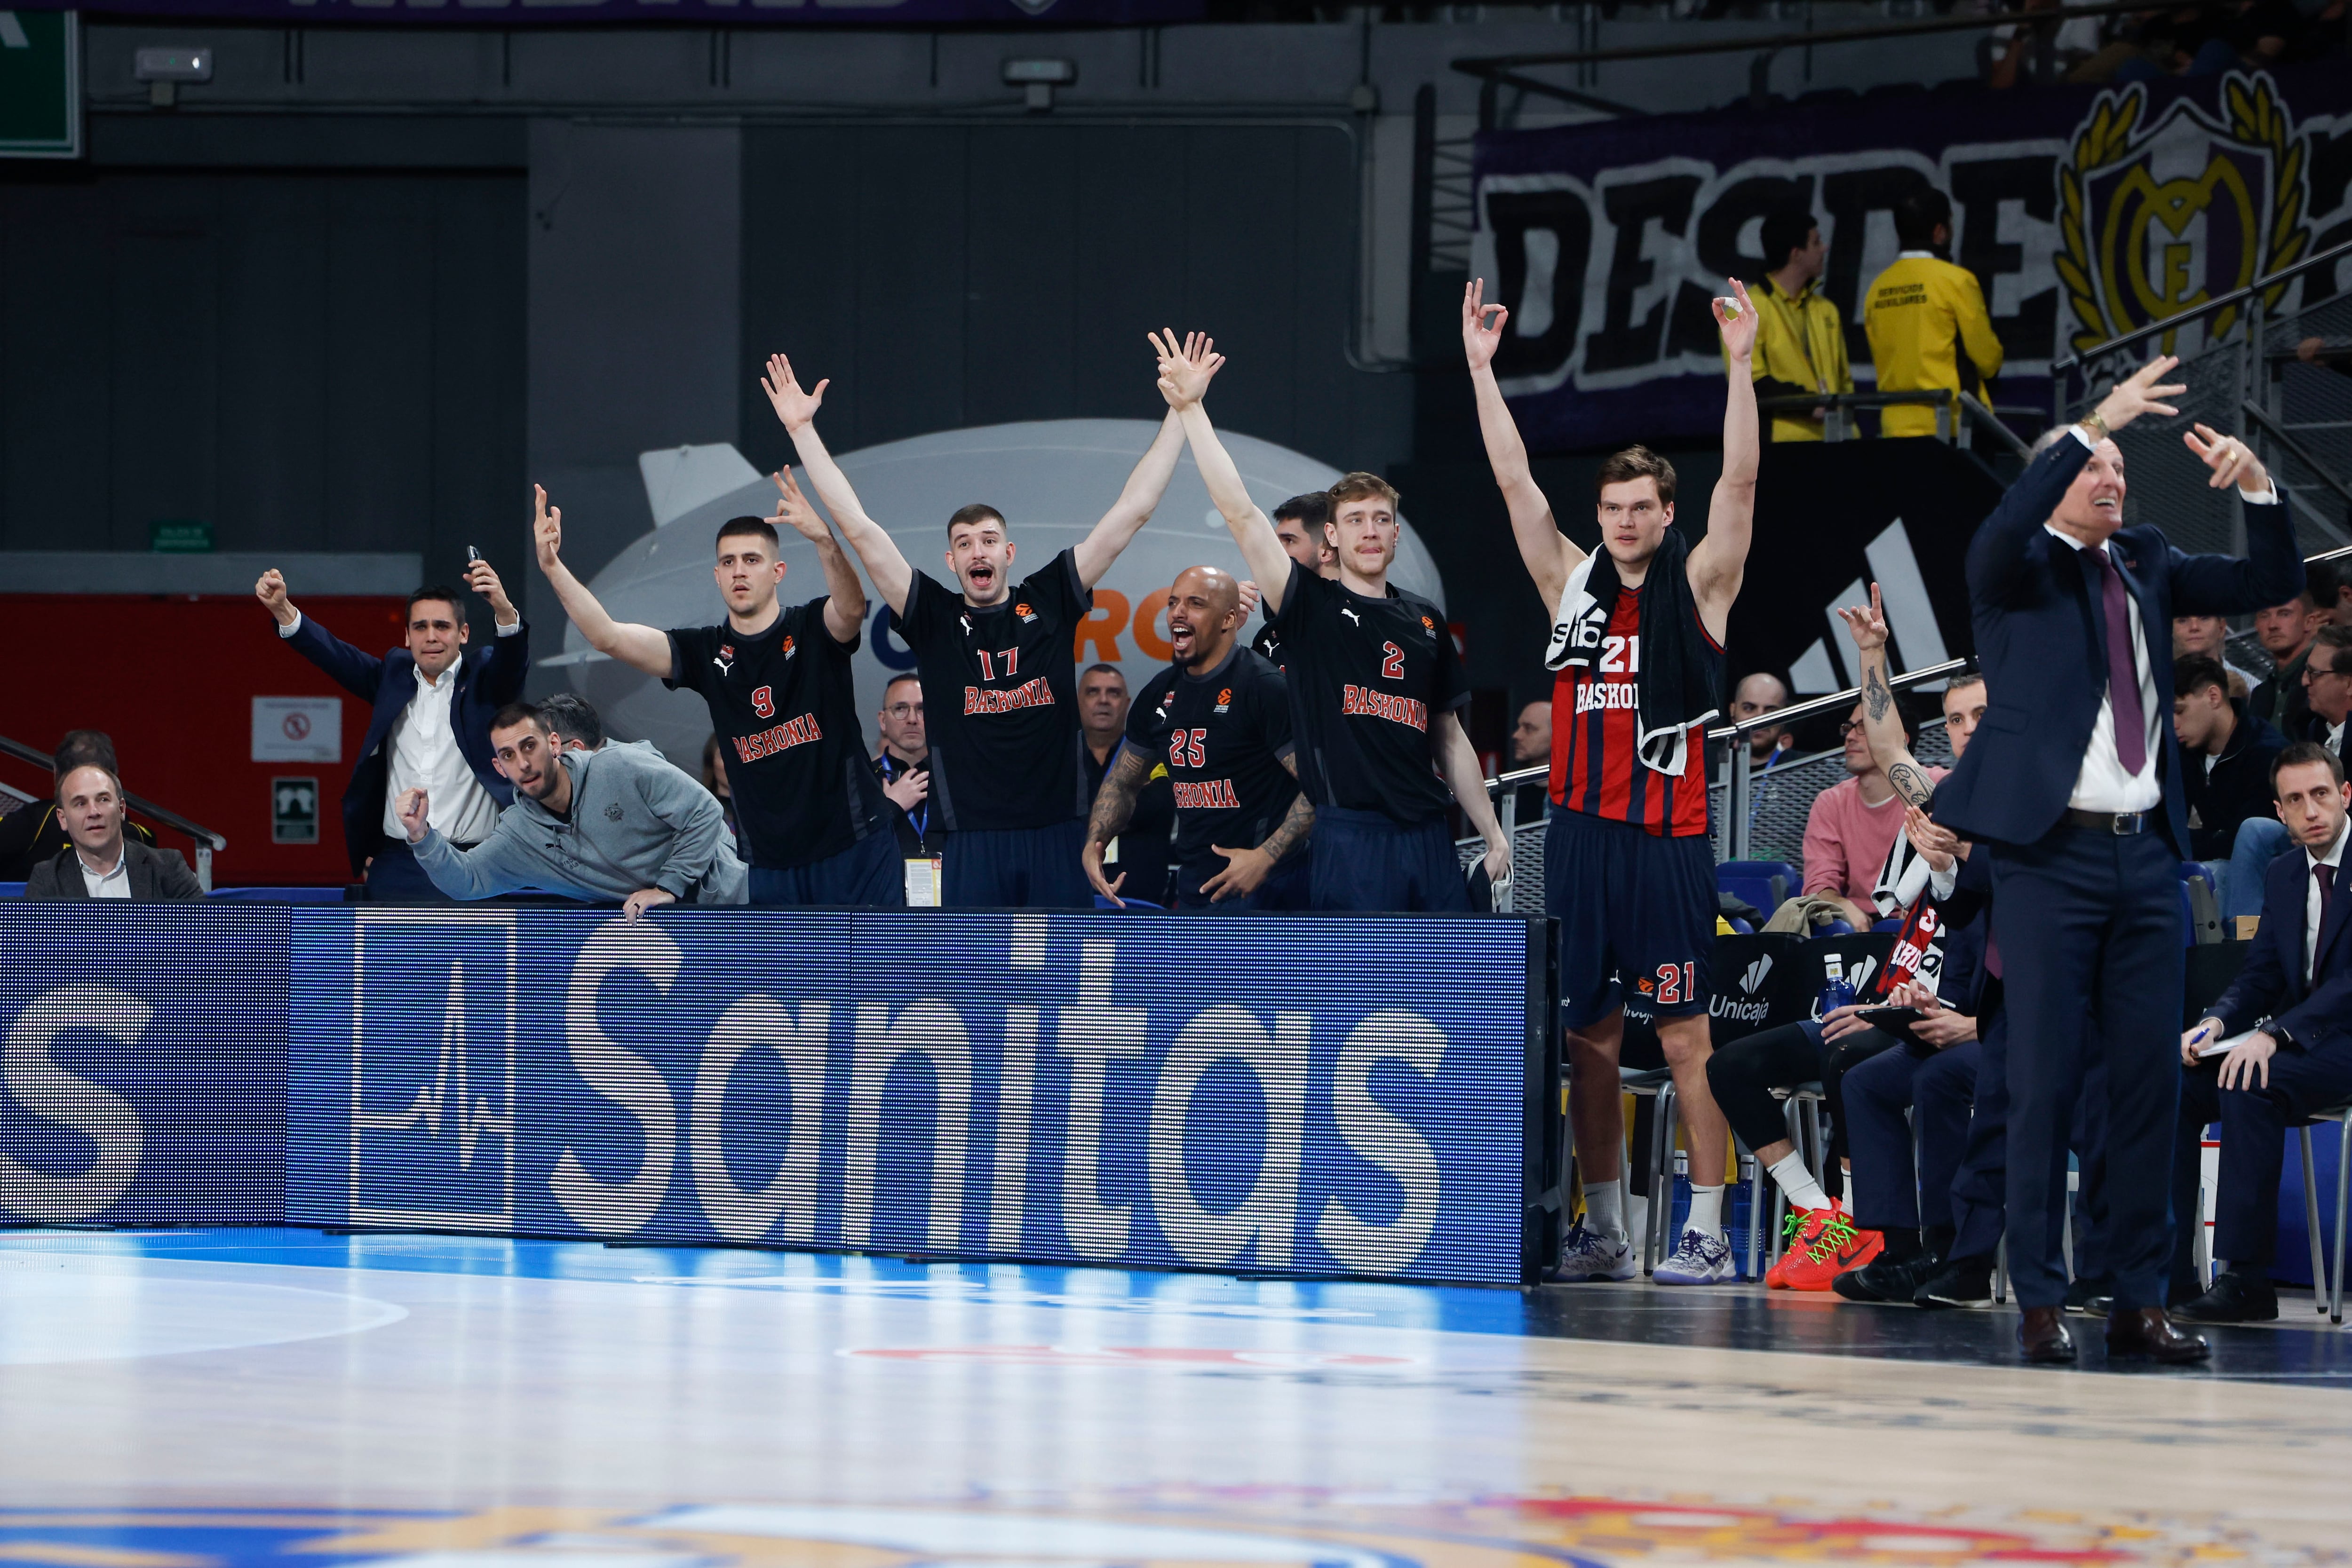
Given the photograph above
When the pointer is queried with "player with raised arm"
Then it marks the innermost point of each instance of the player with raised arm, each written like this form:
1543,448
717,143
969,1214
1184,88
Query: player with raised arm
1377,685
998,666
1637,640
777,681
1218,721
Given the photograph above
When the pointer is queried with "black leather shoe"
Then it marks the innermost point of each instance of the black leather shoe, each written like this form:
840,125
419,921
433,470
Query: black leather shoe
2090,1298
2144,1334
1885,1281
2043,1336
1964,1282
2234,1298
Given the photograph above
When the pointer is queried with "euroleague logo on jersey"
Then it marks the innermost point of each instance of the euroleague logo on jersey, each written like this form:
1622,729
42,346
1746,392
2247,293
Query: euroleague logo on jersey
1024,611
789,649
1429,628
1224,699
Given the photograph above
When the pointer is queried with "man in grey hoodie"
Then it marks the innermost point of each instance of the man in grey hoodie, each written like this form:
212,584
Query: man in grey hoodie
593,825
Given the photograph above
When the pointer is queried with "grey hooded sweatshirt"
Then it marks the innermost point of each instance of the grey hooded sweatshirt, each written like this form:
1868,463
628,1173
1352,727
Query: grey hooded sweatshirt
635,822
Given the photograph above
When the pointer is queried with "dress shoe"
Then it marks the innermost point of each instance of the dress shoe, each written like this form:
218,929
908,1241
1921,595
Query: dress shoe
1881,1281
2090,1298
2235,1298
1965,1283
2144,1334
2043,1336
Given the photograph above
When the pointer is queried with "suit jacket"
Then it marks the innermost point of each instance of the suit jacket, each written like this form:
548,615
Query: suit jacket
2271,980
488,679
2041,634
157,876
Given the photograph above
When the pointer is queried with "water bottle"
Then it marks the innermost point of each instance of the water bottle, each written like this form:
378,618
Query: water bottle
1835,992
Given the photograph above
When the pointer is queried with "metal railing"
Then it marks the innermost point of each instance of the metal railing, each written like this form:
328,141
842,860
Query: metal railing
204,840
2251,297
1956,413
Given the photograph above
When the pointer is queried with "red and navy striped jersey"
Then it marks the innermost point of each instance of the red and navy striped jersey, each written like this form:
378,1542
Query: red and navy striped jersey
1595,762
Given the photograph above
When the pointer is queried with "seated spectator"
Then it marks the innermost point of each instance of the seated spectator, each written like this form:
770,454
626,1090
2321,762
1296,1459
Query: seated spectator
1757,695
2326,688
2225,757
714,779
2292,1004
1531,747
2209,635
573,724
620,823
2285,632
31,833
101,861
2041,51
1853,823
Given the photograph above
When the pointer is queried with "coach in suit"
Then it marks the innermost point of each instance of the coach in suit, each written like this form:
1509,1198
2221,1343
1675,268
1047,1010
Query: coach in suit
428,726
2073,780
2292,1003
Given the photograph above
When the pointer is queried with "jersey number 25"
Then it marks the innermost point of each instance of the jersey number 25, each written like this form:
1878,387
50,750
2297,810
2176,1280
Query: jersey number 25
1184,746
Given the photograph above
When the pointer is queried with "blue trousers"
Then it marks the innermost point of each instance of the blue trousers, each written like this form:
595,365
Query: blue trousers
1371,863
1892,1187
2254,1123
394,877
1286,887
1016,868
868,874
2091,921
2260,841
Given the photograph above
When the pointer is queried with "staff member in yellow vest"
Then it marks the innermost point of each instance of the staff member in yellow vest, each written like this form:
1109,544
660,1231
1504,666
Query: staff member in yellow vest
1800,341
1926,319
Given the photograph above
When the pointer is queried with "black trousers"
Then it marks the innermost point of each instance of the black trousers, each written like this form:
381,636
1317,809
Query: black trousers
2090,922
1743,1074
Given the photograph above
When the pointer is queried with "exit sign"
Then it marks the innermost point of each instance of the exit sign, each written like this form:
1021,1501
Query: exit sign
40,84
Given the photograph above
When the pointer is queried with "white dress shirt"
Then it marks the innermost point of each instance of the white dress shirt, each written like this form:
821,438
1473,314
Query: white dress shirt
115,883
2331,860
421,753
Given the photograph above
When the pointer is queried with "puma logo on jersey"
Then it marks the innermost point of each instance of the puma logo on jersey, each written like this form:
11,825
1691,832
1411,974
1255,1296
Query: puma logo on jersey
967,624
1350,615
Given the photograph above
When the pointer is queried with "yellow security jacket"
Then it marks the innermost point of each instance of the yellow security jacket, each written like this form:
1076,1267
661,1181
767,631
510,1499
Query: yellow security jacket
1800,341
1920,314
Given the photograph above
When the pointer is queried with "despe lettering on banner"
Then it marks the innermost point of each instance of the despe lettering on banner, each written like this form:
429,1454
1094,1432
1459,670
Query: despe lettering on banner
2101,212
582,1075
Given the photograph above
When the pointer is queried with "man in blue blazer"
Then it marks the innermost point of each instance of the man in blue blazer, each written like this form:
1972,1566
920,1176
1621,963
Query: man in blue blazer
2292,1003
2073,780
428,724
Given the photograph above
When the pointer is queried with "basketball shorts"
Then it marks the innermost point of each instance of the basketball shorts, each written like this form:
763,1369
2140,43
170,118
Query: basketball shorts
1636,915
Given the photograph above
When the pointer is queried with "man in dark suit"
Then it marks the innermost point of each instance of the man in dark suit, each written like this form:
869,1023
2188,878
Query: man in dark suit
100,861
2292,1004
428,726
2073,780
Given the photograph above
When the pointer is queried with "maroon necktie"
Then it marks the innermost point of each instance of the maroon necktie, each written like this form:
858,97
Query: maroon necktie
2123,674
2324,875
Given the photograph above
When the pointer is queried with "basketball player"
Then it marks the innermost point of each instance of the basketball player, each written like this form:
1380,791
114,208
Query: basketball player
1218,721
1376,683
1299,523
1637,640
999,670
777,682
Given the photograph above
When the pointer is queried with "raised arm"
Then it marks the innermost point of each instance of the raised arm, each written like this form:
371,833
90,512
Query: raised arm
894,580
1135,504
1184,373
640,647
1549,554
1457,760
1881,724
844,603
1719,561
2272,572
1114,808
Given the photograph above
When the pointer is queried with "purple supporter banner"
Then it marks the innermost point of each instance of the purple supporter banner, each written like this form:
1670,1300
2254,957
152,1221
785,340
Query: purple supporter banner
2084,212
619,13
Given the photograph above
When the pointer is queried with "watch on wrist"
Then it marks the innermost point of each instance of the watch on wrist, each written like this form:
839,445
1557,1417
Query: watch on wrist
2096,427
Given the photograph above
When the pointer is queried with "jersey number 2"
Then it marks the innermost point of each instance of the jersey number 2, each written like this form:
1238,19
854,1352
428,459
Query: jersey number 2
1392,666
1676,982
1186,744
763,702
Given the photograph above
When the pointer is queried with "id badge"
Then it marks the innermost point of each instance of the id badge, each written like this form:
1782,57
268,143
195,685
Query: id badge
923,882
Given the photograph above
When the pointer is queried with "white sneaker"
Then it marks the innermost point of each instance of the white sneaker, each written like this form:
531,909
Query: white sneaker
1700,1260
1587,1255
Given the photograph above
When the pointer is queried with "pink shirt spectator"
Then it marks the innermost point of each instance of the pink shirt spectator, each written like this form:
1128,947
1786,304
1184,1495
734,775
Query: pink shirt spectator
1846,841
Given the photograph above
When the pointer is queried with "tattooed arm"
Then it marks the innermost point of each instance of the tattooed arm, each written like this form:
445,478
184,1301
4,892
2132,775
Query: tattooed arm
1114,808
1245,868
1881,724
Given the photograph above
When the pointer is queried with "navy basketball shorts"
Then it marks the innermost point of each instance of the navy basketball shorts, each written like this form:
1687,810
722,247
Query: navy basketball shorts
1017,868
868,874
1636,915
1373,864
1285,887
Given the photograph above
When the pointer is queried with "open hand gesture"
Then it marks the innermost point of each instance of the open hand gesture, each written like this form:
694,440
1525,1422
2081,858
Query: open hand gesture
633,907
1245,868
1480,336
1738,327
2140,393
907,790
546,531
271,591
795,407
1091,857
2231,460
1184,372
1938,844
1868,626
793,510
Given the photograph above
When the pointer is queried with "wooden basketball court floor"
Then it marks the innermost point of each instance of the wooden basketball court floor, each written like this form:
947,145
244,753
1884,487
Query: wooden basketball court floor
178,1399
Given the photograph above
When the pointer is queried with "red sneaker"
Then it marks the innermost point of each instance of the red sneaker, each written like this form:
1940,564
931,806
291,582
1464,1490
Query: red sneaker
1799,1226
1833,1247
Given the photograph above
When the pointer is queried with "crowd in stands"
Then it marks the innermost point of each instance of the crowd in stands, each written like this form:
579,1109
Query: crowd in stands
2195,40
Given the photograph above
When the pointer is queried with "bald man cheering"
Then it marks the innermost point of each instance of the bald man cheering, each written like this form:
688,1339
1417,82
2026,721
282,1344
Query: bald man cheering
1218,721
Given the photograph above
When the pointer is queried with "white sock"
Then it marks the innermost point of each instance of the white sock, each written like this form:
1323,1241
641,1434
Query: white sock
1706,1211
1605,1209
1797,1183
1848,1200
